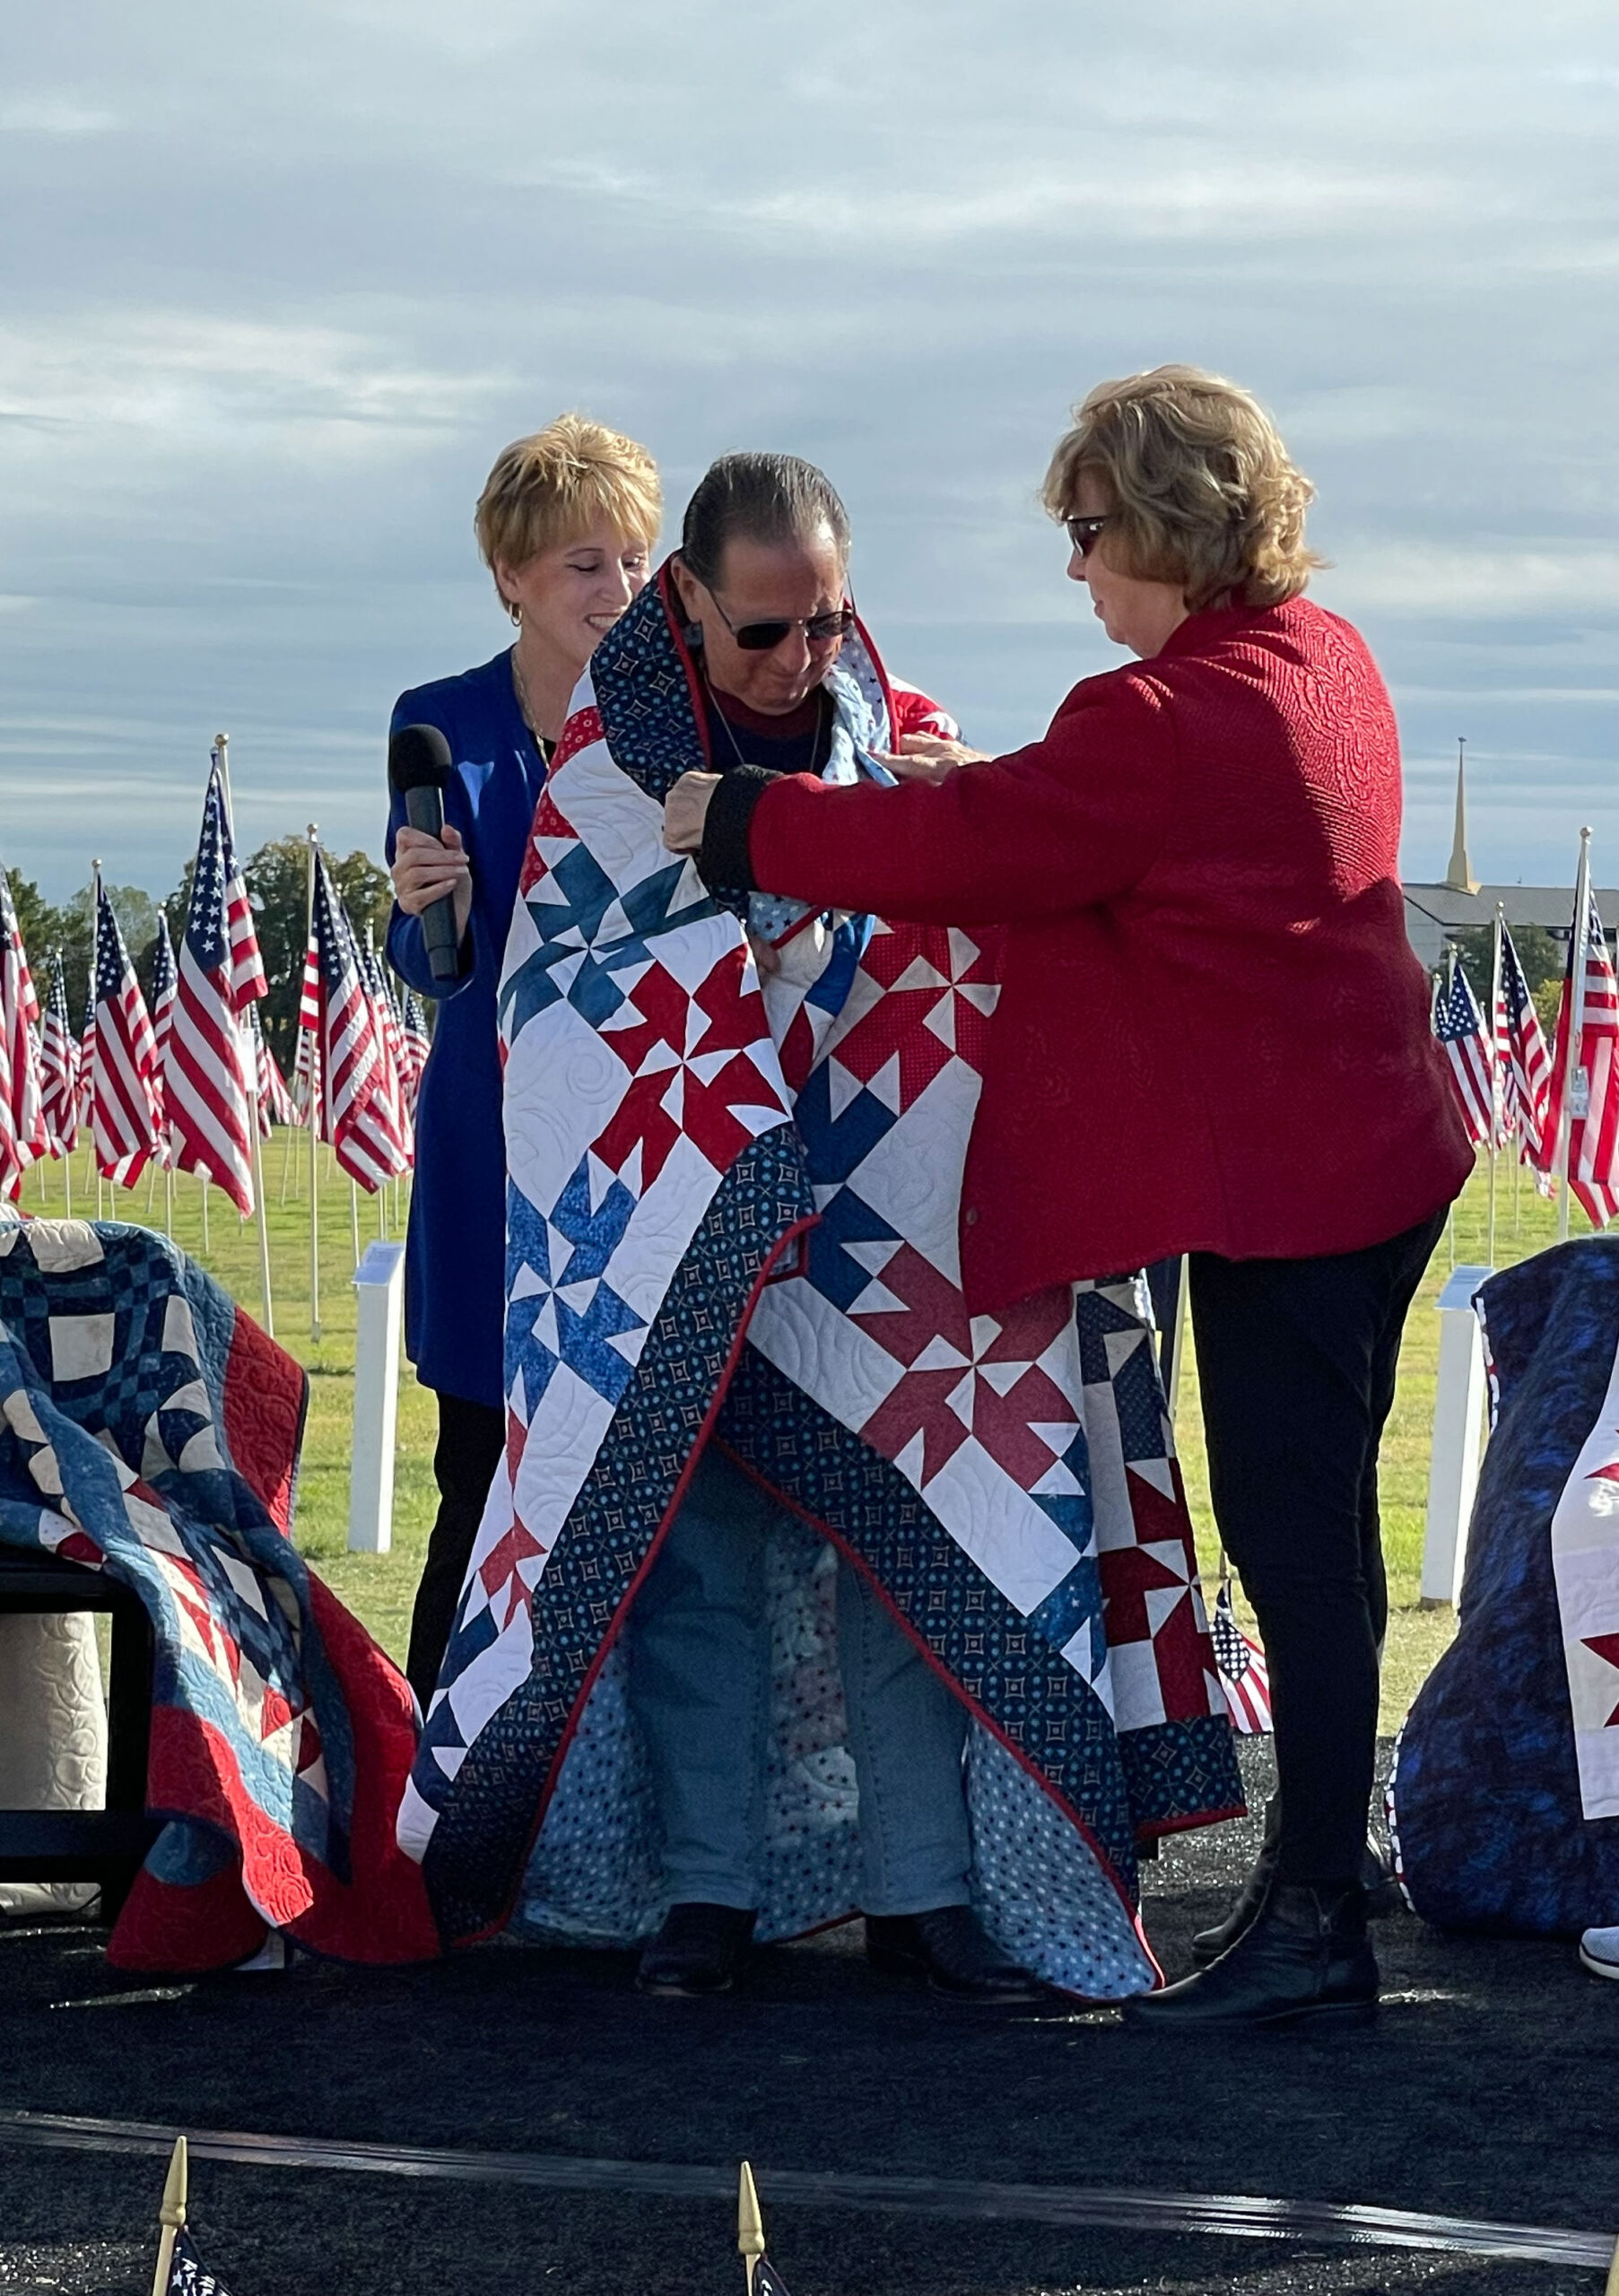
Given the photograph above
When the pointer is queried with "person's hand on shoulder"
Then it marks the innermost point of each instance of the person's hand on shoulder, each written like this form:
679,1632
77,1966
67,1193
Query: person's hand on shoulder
686,810
924,757
426,868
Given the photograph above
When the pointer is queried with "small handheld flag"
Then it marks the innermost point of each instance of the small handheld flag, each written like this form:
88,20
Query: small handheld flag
180,2271
1244,1672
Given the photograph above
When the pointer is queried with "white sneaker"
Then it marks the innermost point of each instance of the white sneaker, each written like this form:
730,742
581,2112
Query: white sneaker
1599,1951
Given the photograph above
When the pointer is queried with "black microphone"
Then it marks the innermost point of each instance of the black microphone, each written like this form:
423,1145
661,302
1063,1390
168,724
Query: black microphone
419,764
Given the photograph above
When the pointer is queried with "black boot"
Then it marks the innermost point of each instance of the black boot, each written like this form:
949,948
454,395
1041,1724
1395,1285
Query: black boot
697,1952
1208,1944
1305,1957
1377,1879
951,1948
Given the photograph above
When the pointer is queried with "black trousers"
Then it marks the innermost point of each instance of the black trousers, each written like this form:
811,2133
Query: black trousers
1296,1361
471,1438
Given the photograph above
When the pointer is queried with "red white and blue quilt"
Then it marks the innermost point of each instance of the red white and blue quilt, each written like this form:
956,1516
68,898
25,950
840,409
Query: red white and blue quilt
150,1429
732,1215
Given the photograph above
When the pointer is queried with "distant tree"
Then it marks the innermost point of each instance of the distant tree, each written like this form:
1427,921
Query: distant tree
278,878
137,913
38,922
1547,998
1540,953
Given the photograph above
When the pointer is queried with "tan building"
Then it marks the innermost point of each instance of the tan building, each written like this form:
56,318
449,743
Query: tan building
1433,912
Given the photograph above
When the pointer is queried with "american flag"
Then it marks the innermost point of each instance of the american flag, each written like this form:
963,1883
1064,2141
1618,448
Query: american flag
1458,1023
390,1037
1524,1064
188,2276
87,1051
164,979
274,1101
358,1114
1244,1675
59,1067
125,1101
418,1044
765,2280
211,1089
22,1134
1594,1087
306,1077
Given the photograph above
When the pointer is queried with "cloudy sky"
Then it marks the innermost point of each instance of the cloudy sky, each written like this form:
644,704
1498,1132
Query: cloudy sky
278,283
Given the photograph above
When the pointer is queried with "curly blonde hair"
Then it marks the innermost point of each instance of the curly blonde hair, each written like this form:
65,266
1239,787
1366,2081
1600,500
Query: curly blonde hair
1204,492
554,487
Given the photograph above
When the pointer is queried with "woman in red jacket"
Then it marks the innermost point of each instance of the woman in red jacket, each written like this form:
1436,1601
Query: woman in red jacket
1212,1037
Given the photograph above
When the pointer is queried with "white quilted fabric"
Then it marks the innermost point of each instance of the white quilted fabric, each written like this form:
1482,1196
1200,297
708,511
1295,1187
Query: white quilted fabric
53,1735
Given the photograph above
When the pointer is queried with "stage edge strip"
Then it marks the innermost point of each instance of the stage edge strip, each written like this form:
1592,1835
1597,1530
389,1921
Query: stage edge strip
1234,2215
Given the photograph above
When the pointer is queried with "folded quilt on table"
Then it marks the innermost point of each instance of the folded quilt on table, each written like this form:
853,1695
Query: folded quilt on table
1504,1799
151,1430
732,1213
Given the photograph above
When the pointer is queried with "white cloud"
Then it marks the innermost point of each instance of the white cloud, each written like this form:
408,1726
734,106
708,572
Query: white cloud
292,277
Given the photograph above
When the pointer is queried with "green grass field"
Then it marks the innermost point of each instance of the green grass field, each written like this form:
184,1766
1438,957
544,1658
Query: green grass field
379,1587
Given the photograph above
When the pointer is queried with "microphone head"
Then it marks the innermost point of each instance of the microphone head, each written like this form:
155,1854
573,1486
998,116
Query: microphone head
418,757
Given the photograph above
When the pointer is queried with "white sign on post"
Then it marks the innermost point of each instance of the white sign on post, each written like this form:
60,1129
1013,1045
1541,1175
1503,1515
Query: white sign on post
1459,1414
379,1287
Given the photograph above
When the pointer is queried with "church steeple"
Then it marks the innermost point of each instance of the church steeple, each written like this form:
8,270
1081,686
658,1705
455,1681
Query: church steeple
1460,876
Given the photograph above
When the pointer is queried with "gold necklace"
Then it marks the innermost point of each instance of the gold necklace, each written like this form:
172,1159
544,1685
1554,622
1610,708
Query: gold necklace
524,704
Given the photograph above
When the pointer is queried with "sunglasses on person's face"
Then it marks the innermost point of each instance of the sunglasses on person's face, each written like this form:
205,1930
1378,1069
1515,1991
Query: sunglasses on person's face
764,637
1083,533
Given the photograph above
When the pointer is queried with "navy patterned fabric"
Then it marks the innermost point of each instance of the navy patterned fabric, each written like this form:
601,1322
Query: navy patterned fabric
1052,1719
1485,1800
475,1860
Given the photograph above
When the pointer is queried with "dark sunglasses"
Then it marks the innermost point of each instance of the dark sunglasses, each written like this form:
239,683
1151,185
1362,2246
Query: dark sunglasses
764,637
1082,533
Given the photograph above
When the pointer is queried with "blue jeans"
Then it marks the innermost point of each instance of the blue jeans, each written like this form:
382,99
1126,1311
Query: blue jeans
700,1673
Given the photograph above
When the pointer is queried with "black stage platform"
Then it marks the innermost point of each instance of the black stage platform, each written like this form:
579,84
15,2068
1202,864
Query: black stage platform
1489,2089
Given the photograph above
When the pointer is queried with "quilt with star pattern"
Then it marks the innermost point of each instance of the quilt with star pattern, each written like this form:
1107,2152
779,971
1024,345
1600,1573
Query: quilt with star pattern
732,1214
1503,1804
150,1429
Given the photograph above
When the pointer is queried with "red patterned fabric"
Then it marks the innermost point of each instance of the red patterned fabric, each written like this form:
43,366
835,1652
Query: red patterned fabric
1212,1033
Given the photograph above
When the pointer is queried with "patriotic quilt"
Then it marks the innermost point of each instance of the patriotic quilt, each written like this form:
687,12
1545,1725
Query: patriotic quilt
150,1429
1504,1799
732,1215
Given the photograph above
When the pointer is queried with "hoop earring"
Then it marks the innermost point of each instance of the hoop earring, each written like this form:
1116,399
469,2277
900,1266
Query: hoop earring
515,611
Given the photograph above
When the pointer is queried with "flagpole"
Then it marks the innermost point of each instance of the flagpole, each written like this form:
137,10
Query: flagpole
221,745
1497,1098
206,1245
750,2224
311,1104
354,1216
171,2216
1575,993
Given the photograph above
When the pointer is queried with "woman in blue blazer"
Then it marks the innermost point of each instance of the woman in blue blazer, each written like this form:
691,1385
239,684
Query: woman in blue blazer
566,526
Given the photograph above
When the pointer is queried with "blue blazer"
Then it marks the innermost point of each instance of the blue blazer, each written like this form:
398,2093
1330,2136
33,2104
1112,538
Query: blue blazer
455,1260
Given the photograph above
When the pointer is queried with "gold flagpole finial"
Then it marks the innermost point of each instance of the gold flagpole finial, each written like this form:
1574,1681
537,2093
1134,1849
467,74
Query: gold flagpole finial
173,2211
171,2216
750,2224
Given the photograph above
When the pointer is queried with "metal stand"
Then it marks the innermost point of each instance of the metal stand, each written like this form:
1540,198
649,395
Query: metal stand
1457,1437
379,1289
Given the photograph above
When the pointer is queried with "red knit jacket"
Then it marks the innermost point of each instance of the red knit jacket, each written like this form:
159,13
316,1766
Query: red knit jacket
1212,1034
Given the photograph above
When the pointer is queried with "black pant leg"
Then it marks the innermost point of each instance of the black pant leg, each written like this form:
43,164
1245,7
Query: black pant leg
470,1437
1295,1360
1406,1275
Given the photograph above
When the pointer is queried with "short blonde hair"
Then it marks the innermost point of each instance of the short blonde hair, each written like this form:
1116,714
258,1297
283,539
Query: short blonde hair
551,489
1204,492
